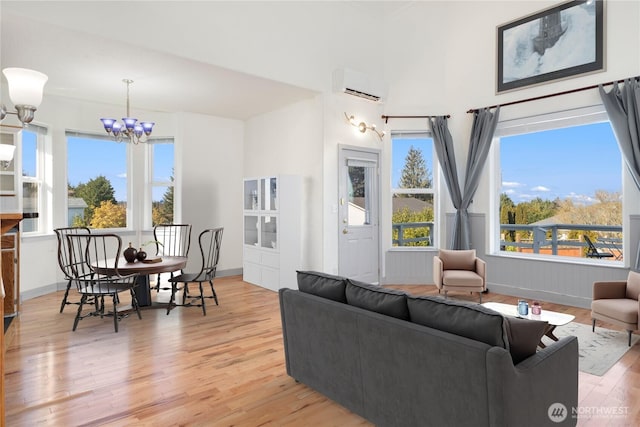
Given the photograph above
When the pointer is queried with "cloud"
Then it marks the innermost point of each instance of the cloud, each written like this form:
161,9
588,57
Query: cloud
122,175
540,188
509,192
511,184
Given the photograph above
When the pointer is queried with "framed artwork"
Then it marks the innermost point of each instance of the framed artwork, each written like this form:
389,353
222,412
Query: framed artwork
555,43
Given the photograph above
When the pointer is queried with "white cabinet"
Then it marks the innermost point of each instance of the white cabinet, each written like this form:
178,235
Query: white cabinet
272,249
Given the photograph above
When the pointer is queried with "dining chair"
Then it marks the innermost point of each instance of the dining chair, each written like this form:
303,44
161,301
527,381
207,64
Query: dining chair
171,240
94,266
210,241
64,258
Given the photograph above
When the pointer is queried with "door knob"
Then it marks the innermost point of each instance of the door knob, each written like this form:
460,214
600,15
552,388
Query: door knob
344,231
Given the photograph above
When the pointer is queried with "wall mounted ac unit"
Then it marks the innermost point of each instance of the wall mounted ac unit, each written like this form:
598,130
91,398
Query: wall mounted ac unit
358,84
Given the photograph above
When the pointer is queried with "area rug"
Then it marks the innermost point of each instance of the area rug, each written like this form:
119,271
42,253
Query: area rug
598,350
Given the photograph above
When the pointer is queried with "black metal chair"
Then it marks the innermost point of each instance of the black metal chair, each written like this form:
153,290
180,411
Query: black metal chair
210,241
94,261
171,240
593,252
64,258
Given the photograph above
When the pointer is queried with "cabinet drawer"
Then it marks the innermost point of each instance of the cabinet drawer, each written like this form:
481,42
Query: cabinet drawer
270,278
270,259
252,255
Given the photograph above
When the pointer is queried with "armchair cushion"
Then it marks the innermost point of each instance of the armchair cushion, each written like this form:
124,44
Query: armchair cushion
458,259
461,278
375,298
624,310
322,285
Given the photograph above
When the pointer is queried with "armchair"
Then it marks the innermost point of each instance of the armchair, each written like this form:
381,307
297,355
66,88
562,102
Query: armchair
459,270
616,302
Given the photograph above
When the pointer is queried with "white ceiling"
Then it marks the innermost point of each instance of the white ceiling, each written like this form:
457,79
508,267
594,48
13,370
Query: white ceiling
91,67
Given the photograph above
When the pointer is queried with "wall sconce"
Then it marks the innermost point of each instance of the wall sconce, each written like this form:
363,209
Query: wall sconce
6,154
362,126
25,91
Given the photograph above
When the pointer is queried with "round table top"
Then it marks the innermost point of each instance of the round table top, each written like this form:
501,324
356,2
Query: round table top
168,263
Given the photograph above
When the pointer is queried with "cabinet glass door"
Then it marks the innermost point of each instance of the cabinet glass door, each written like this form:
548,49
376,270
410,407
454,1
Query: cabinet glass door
269,231
268,192
251,230
251,195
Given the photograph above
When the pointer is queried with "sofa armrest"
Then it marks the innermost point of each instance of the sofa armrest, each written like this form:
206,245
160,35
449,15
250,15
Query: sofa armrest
437,271
481,270
609,289
527,390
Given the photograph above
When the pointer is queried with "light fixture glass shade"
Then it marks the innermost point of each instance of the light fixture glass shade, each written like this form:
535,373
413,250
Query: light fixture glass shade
6,152
25,86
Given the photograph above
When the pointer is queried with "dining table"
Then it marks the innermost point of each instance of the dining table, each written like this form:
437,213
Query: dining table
143,269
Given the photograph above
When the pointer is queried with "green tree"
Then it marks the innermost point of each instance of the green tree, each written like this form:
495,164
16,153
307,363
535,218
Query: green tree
508,216
94,192
415,173
406,215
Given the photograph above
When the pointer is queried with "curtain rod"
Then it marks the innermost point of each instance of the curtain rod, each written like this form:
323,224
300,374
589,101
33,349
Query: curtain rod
566,92
386,118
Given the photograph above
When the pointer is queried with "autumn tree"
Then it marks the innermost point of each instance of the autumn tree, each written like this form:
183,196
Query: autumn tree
406,215
162,212
508,216
109,215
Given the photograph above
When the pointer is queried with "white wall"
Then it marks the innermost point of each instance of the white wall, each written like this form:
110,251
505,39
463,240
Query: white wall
211,155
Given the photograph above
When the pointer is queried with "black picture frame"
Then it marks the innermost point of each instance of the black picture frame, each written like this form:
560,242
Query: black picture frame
570,34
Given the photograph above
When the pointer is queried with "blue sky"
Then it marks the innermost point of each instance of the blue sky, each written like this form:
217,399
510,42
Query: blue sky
562,163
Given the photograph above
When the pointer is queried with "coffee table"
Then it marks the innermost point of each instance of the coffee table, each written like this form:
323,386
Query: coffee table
553,318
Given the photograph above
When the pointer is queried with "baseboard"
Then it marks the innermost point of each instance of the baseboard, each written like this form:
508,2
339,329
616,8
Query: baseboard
535,294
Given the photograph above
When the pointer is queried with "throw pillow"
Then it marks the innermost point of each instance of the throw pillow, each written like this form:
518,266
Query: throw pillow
322,285
458,259
524,337
462,318
390,302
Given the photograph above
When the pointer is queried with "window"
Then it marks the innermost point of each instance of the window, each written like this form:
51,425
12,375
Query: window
412,193
561,186
33,172
162,181
98,182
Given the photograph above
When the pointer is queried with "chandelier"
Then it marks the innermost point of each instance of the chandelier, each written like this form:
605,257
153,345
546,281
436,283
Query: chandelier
131,130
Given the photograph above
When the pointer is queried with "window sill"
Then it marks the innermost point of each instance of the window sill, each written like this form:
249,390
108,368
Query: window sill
412,249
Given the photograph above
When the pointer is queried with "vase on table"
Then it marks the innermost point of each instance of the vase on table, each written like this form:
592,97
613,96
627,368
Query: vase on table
130,253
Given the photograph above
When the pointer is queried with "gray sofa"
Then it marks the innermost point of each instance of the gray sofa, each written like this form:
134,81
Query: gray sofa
370,349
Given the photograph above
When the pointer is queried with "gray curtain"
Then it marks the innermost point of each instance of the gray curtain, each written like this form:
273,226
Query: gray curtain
482,131
622,107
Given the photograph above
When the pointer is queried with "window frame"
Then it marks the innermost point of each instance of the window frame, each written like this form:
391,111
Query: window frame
435,182
42,179
538,123
130,180
151,183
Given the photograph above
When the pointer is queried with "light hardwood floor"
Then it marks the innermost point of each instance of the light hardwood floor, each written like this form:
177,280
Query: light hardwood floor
225,369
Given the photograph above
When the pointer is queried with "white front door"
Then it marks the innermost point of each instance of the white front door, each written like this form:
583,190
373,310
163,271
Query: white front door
358,215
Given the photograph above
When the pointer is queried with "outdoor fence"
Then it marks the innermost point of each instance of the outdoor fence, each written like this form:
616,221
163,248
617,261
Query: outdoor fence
550,239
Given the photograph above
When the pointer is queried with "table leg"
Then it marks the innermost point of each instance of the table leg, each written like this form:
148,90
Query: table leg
549,332
143,291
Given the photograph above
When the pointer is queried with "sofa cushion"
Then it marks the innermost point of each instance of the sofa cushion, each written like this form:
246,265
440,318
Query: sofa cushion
633,285
524,336
322,285
375,298
460,318
458,259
